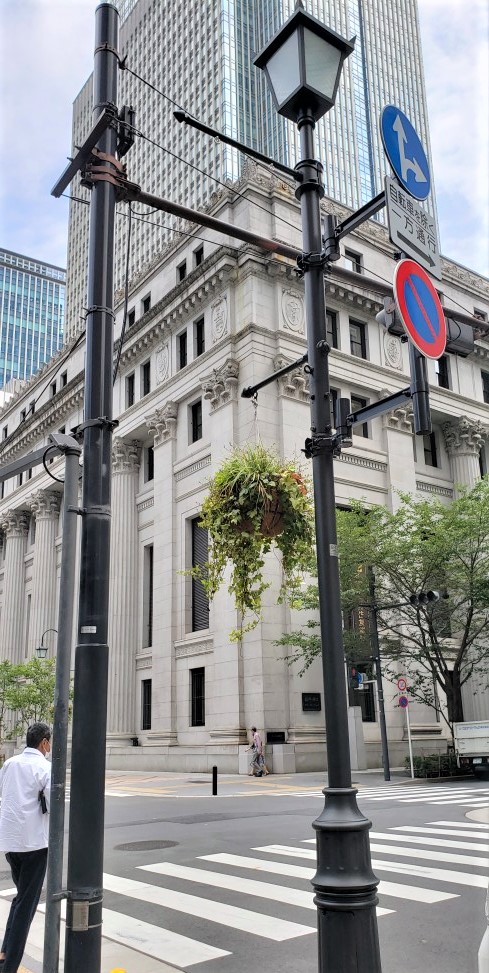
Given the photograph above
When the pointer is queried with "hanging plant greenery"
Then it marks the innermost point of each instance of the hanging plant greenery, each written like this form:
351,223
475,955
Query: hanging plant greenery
255,500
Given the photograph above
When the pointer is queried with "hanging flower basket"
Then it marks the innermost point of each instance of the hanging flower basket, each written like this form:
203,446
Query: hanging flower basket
255,500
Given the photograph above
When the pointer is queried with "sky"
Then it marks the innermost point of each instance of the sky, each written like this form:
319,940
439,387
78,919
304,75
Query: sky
46,55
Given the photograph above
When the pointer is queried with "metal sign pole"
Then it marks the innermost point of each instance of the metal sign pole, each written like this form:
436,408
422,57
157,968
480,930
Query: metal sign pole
410,742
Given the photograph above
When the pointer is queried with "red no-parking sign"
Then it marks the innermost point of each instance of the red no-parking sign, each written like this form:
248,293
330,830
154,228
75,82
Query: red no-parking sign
420,309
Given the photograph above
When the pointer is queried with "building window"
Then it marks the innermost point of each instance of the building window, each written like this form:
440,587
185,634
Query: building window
200,600
63,379
358,345
442,369
199,256
149,464
146,689
364,697
148,560
53,389
353,261
196,421
23,414
129,390
480,315
5,431
182,349
356,404
131,318
332,329
146,378
485,387
197,696
146,303
199,337
181,271
429,448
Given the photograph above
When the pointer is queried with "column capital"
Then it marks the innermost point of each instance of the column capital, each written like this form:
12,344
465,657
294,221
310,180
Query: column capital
45,504
15,523
125,456
294,385
400,418
162,424
221,386
463,435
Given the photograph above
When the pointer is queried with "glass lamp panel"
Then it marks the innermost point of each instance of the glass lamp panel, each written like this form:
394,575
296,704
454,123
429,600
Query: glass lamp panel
322,61
284,70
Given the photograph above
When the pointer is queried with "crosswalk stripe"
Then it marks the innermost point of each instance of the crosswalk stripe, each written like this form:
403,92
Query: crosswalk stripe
427,872
155,941
269,927
220,880
435,831
469,825
413,892
433,855
433,842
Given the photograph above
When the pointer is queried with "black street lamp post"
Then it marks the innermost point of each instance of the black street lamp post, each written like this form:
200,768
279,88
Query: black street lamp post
303,64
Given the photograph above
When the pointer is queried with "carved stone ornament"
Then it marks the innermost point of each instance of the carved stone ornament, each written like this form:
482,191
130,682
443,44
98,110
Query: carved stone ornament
400,418
293,311
15,523
163,423
162,363
219,319
125,456
392,350
295,384
464,435
221,386
45,505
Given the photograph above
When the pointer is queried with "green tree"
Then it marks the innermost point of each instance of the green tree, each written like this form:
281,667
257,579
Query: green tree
30,695
8,677
423,545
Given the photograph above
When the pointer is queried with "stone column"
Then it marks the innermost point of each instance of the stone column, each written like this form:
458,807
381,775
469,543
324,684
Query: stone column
463,439
226,711
15,525
45,508
123,594
398,438
162,424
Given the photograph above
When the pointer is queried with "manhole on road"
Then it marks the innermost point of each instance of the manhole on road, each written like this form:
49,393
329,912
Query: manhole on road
146,845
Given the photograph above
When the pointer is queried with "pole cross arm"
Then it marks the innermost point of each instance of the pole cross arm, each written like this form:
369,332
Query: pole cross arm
60,444
108,116
378,408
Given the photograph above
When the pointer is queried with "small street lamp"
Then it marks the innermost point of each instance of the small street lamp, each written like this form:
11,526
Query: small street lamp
303,64
42,650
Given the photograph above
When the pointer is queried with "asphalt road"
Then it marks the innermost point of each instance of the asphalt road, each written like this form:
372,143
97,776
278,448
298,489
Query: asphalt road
221,884
199,873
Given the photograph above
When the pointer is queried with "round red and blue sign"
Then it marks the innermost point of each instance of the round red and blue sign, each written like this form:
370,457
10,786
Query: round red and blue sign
420,309
403,702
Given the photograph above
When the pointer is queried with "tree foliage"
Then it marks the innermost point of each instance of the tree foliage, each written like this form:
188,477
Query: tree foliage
423,545
26,695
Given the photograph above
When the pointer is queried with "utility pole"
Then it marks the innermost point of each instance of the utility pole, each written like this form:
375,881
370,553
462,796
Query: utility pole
86,830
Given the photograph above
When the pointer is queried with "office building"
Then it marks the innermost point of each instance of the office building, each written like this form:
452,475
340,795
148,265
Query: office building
199,56
32,304
205,322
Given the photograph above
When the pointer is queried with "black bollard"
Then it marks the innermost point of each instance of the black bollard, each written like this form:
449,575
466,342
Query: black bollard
214,781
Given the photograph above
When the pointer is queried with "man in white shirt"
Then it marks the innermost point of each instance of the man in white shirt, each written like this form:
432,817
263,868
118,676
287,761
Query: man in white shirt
25,783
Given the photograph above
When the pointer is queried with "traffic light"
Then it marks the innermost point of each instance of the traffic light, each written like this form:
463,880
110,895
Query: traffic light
424,598
389,319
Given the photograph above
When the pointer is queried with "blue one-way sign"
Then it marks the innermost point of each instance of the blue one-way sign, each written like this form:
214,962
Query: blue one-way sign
405,152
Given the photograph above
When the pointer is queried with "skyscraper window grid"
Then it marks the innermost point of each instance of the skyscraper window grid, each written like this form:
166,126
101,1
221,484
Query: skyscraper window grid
199,56
32,301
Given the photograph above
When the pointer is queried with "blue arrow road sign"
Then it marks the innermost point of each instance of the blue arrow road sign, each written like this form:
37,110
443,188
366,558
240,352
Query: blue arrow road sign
405,152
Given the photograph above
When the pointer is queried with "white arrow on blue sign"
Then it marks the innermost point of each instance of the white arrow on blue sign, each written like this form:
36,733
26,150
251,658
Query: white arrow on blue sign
405,152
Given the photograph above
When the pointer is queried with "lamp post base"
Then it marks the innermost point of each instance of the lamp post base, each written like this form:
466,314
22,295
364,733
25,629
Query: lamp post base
346,887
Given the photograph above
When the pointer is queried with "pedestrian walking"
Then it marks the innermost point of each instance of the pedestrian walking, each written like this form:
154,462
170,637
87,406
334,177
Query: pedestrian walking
258,767
25,782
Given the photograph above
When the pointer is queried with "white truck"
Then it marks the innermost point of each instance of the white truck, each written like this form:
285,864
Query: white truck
472,746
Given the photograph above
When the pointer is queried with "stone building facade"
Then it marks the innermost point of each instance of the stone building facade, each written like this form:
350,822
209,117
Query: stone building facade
207,318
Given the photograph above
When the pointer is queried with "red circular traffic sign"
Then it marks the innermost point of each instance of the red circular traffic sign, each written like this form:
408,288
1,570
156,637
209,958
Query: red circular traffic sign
403,701
420,309
402,685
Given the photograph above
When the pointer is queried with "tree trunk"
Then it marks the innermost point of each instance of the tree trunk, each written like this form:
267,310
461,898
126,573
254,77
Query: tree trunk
454,697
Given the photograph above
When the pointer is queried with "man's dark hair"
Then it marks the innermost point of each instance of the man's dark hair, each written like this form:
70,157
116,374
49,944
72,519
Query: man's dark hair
253,729
36,733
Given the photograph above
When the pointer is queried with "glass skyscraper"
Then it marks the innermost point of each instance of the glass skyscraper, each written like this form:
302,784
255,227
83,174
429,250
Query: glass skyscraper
199,55
32,303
